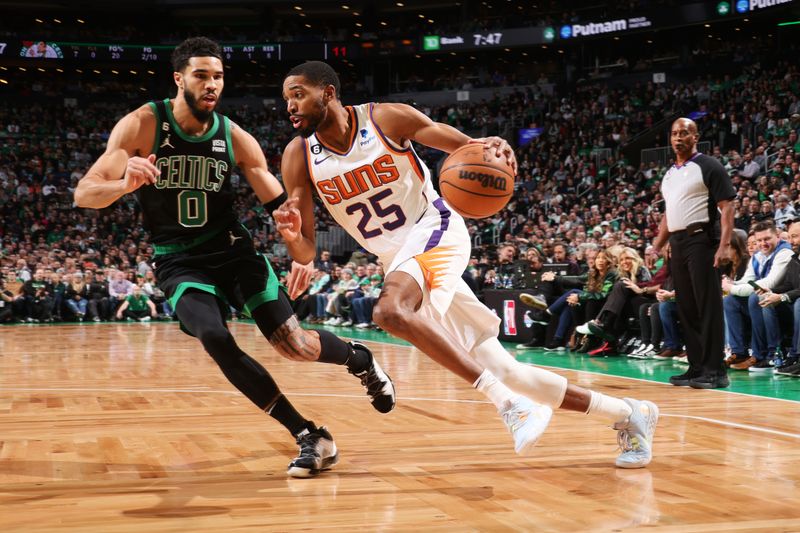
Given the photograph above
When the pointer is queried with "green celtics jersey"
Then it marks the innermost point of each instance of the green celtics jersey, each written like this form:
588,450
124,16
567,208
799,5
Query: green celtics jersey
192,197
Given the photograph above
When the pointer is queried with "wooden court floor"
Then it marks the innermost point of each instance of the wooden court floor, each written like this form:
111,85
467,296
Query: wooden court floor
132,428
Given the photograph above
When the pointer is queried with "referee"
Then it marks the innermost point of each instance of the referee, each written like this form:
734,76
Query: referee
694,189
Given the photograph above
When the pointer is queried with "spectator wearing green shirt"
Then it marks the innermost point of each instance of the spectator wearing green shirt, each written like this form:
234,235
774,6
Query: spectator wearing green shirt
137,306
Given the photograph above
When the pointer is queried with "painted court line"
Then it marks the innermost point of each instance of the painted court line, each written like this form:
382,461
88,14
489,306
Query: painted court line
736,425
232,393
662,383
608,375
399,399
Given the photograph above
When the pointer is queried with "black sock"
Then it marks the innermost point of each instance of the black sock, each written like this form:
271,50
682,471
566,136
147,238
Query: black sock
285,413
334,350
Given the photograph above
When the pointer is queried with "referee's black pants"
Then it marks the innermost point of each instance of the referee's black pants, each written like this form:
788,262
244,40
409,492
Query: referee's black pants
699,297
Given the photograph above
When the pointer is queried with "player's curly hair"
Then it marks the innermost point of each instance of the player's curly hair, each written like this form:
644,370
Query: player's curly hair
318,73
194,47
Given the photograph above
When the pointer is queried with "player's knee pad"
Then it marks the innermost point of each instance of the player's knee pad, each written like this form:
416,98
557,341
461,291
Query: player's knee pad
537,384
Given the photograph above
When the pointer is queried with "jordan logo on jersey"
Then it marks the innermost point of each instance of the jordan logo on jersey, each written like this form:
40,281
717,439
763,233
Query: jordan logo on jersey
166,143
359,180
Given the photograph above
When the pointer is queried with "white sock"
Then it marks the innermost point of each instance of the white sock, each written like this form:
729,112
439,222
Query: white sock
492,388
608,407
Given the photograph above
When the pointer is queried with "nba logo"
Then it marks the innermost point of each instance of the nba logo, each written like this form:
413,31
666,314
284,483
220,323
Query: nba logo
509,317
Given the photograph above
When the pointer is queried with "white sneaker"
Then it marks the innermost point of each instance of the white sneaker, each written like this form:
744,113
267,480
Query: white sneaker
144,319
583,329
362,325
526,421
650,353
639,352
337,321
635,435
347,323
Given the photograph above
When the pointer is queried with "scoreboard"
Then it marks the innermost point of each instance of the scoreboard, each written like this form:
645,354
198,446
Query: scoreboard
136,53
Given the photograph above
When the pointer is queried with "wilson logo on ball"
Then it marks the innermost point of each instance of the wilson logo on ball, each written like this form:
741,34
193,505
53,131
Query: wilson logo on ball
486,180
475,182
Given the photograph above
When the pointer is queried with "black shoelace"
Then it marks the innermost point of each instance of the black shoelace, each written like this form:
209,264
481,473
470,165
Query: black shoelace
308,444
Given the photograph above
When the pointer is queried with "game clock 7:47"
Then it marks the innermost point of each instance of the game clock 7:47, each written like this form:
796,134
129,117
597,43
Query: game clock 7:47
488,39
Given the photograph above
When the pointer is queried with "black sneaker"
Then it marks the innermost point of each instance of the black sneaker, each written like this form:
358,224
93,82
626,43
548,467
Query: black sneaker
598,331
789,370
683,380
540,317
379,385
555,345
710,381
317,453
530,345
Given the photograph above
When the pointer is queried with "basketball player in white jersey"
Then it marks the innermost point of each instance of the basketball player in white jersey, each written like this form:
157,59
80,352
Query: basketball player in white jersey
360,161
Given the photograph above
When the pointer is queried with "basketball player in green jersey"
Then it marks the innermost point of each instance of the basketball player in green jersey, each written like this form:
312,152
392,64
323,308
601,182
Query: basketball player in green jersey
177,156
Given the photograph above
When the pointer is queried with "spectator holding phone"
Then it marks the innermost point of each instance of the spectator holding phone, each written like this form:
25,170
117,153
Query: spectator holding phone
785,293
765,270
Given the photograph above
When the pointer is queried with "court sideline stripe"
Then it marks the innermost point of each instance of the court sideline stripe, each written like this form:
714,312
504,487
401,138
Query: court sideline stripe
409,399
549,367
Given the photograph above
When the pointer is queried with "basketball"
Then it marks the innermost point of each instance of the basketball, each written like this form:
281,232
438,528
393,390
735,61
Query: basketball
474,183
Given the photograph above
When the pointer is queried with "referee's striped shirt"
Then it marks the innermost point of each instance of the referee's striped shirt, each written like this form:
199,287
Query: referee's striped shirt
692,191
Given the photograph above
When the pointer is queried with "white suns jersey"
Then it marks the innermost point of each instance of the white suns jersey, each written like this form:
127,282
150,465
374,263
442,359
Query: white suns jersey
375,190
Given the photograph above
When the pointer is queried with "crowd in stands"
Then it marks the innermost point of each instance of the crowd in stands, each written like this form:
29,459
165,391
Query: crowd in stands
578,201
282,23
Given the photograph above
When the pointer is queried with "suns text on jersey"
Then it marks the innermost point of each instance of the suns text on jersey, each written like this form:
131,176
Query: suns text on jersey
359,180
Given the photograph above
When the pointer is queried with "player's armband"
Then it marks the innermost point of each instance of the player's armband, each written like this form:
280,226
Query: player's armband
272,205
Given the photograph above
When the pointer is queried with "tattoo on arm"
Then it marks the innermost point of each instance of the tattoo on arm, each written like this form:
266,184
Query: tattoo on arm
292,340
